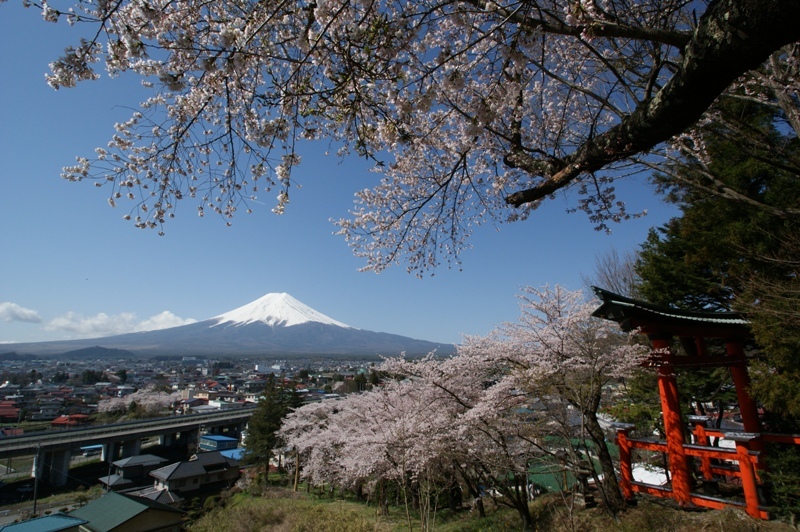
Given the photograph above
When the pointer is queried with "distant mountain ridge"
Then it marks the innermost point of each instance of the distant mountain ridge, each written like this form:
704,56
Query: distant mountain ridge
274,325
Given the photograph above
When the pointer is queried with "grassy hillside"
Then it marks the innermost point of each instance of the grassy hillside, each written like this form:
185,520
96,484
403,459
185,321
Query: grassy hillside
278,509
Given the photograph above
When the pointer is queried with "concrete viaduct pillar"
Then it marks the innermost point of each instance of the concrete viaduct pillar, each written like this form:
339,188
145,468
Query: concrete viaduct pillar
115,450
52,467
131,448
189,438
110,452
59,467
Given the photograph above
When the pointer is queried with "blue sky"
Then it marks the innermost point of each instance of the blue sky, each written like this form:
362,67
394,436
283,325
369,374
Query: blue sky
71,267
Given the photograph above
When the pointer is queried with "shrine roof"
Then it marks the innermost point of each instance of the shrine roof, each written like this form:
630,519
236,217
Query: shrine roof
632,313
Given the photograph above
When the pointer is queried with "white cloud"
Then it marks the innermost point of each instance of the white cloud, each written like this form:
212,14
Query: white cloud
14,312
103,324
164,320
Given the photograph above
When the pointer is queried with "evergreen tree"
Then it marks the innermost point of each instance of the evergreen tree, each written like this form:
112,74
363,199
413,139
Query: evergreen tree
60,377
722,255
90,376
275,404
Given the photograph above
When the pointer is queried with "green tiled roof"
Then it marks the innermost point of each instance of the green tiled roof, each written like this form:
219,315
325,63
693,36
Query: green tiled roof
113,509
619,308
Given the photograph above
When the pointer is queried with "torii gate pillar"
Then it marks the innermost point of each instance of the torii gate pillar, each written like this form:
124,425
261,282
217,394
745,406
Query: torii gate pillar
673,425
741,380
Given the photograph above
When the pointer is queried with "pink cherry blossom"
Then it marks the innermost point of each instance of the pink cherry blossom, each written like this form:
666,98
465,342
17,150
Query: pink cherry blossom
472,111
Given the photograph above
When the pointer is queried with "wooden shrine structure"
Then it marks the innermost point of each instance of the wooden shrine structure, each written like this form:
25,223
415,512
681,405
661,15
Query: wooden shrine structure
663,325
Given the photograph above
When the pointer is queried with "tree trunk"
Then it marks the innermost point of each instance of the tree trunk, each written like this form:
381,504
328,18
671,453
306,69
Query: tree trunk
473,491
414,489
480,507
454,495
519,495
296,471
383,498
609,486
521,505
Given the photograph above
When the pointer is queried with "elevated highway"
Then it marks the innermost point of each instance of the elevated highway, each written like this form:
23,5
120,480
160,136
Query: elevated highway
52,449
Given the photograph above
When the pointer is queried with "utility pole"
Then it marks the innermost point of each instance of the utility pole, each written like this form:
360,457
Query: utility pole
37,465
108,484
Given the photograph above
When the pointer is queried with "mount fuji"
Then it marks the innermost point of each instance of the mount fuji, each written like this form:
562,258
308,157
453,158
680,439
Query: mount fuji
275,324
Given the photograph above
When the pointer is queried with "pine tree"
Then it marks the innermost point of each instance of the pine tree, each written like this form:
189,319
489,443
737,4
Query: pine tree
723,255
720,255
273,406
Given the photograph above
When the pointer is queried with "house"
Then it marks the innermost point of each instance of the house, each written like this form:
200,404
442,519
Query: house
187,404
132,471
117,512
202,470
123,390
254,387
225,405
236,454
50,523
49,409
8,389
69,421
9,411
213,442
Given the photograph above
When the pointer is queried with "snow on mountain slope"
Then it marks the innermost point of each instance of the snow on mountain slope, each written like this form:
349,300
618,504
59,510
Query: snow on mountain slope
275,325
276,309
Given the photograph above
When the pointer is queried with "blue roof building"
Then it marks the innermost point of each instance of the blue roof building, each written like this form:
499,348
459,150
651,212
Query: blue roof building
50,523
213,442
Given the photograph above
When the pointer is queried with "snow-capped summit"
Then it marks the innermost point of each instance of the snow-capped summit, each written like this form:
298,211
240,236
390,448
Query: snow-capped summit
276,309
274,325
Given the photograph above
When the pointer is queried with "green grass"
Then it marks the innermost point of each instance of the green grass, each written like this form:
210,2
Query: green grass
62,501
278,509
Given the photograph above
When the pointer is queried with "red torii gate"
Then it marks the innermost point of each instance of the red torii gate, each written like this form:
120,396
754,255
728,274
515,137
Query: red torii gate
662,325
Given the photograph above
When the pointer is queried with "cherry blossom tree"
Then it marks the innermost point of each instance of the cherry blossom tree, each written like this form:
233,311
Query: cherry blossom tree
390,434
570,355
472,110
147,402
484,429
417,434
555,361
522,395
306,431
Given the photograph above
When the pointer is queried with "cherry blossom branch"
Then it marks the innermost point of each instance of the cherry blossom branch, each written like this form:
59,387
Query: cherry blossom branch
716,55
